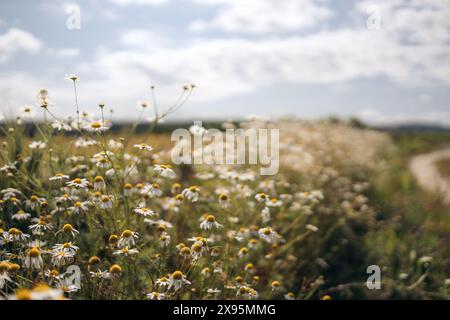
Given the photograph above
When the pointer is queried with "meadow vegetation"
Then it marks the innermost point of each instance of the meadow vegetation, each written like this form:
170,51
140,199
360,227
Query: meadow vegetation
137,227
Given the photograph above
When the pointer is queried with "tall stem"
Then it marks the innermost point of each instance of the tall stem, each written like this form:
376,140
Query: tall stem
76,103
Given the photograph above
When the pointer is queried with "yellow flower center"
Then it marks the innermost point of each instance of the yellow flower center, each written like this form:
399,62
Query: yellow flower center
185,251
115,269
13,267
67,227
177,275
94,260
54,273
113,239
210,218
3,266
34,252
15,231
96,125
127,234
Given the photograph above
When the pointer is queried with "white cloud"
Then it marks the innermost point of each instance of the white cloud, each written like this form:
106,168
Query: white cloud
223,68
17,89
17,40
402,53
139,2
63,53
262,16
415,21
143,38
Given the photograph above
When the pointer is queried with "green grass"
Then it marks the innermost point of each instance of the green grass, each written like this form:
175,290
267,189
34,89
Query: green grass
411,223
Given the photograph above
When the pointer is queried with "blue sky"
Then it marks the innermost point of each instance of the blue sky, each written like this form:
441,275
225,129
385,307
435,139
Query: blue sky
385,61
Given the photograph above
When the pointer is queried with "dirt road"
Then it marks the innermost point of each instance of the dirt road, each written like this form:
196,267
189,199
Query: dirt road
425,171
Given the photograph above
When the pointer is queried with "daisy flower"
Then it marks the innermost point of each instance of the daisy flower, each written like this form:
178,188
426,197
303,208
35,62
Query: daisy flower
26,111
79,207
99,183
268,234
68,228
224,200
156,296
95,126
80,183
164,171
34,202
197,250
276,286
274,202
144,212
191,193
143,146
164,239
15,234
61,258
127,239
106,202
177,280
37,145
33,260
4,276
9,193
115,270
242,252
213,291
99,274
21,216
126,252
261,197
209,222
67,247
162,282
71,77
102,162
142,104
289,296
127,189
206,272
153,191
61,126
59,177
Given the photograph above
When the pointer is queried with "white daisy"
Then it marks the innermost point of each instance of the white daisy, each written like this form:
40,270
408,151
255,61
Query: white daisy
177,280
209,222
143,146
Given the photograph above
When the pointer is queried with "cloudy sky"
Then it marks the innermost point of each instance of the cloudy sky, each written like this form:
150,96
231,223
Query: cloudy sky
384,61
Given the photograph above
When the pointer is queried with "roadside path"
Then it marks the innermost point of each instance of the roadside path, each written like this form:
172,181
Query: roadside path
425,171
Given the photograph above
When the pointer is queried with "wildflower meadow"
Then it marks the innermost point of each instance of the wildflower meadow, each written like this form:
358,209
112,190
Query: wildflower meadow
88,212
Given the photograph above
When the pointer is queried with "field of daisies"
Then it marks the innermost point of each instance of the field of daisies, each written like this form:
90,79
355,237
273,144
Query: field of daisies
91,214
